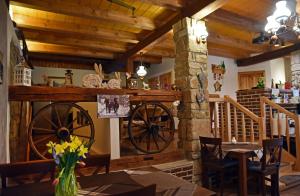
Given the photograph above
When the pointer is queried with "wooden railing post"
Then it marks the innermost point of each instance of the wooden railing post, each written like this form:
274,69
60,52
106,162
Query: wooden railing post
297,135
228,121
262,124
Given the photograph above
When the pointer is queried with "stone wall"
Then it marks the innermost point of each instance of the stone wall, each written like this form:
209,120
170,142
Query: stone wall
191,60
7,36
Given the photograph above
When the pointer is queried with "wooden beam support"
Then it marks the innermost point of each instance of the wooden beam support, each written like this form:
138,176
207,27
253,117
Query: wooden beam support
223,16
268,55
233,42
169,4
75,41
200,7
67,50
75,9
71,29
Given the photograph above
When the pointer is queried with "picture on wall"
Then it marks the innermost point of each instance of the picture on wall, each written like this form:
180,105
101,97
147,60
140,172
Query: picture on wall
113,106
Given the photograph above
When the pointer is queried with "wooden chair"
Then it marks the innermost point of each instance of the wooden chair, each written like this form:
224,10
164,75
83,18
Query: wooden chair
145,191
269,164
212,160
23,172
95,162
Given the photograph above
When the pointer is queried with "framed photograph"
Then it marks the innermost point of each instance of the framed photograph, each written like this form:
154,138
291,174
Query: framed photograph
113,106
56,81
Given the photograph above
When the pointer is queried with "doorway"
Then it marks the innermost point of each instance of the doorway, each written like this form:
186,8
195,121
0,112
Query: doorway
249,79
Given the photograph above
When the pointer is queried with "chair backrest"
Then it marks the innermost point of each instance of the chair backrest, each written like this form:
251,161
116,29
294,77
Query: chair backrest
144,191
211,148
271,153
96,163
19,172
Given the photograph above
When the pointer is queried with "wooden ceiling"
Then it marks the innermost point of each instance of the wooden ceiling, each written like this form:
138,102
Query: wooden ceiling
101,29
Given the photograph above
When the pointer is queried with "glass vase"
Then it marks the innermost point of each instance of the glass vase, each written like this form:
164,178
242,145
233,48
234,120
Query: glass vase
67,185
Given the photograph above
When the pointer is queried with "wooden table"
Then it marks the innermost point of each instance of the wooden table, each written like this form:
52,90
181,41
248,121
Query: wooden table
114,183
241,152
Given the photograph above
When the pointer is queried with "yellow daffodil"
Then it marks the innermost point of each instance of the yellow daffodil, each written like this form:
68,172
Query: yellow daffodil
82,151
59,149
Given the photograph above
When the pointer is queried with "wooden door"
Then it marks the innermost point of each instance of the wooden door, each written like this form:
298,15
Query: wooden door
249,79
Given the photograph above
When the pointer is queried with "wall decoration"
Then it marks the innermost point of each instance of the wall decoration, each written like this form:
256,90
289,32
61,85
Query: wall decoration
22,74
113,106
202,79
116,82
218,71
94,80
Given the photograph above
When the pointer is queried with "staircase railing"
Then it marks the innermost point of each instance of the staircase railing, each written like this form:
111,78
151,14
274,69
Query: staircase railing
265,104
228,115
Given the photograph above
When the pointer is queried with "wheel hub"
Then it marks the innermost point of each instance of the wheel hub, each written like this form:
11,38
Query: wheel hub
63,133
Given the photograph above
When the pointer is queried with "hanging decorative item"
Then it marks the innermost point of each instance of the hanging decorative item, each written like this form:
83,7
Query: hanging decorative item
22,74
94,80
218,71
116,82
202,79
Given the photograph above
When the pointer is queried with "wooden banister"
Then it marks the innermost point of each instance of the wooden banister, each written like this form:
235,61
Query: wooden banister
288,115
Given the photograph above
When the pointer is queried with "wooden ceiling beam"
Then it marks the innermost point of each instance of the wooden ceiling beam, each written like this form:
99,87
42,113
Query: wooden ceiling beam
74,29
161,52
223,16
233,42
66,50
67,40
75,9
174,5
200,7
148,59
268,55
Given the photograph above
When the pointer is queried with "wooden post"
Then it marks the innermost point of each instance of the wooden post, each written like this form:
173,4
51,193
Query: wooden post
235,124
130,65
216,119
228,121
262,123
243,128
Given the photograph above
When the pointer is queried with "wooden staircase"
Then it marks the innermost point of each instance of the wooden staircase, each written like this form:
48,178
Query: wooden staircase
231,119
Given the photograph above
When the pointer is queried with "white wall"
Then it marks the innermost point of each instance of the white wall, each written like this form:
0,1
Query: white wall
278,70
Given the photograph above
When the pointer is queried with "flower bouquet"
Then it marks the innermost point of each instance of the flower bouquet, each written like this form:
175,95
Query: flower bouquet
66,155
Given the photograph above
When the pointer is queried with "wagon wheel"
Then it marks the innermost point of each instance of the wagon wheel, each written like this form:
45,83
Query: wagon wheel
151,127
56,122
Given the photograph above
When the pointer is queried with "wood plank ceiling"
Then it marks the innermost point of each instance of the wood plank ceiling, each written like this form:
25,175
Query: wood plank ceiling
101,29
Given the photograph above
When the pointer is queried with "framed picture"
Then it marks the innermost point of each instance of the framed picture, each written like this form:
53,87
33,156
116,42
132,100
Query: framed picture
56,81
113,106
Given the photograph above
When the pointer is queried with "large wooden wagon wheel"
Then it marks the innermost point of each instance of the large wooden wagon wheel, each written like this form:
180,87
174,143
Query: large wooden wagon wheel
57,122
151,127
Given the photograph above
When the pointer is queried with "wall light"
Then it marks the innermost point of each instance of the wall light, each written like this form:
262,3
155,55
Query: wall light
200,32
281,13
141,70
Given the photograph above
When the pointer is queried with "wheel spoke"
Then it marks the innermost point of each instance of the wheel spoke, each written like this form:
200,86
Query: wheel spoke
50,121
155,141
148,142
137,124
162,138
57,115
43,139
147,115
71,123
153,114
81,135
45,152
67,113
141,116
44,130
79,127
142,137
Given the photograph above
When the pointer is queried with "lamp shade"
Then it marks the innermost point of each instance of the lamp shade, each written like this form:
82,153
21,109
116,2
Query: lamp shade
282,12
200,30
272,25
141,71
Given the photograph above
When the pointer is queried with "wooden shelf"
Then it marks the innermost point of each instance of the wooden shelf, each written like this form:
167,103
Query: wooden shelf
78,94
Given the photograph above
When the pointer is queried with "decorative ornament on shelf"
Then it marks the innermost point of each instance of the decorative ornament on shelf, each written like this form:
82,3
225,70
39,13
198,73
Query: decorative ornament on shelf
116,82
218,71
94,80
68,78
132,82
146,86
22,74
66,155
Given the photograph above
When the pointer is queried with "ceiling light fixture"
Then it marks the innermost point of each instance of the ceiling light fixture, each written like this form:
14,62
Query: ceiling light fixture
141,70
282,23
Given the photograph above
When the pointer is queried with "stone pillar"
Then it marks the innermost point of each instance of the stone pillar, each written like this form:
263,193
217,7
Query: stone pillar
191,60
295,68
